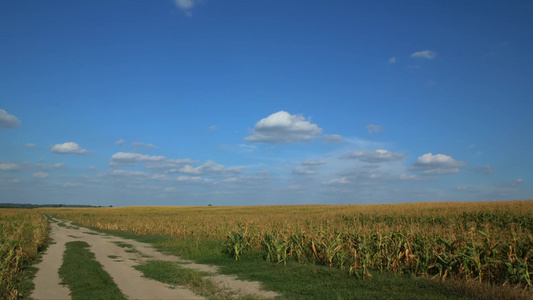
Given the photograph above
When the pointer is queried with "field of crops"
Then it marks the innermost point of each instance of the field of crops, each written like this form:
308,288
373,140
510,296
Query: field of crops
487,242
23,233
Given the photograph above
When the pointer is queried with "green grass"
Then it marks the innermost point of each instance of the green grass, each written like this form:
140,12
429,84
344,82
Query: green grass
299,281
175,275
85,276
129,247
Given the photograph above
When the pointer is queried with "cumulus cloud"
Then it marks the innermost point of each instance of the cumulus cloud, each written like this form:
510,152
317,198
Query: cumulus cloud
333,138
7,120
282,127
303,171
438,164
373,128
69,148
486,169
40,175
9,167
126,158
376,156
120,142
312,162
425,54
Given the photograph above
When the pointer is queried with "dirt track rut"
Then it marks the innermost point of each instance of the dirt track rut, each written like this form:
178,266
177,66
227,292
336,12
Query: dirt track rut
119,264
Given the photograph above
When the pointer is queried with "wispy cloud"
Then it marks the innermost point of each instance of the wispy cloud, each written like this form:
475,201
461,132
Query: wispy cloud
125,158
373,128
486,169
120,142
425,54
9,167
143,145
186,6
41,175
333,138
376,156
392,60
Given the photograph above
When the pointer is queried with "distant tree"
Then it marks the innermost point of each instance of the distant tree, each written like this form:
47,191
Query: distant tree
209,204
110,205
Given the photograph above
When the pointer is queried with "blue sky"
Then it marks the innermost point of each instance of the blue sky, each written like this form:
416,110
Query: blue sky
265,102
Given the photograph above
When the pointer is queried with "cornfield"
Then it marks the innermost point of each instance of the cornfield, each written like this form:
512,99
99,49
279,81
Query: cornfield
22,235
488,242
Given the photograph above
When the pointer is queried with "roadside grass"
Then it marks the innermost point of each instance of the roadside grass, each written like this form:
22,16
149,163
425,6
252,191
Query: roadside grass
299,281
129,247
85,276
175,275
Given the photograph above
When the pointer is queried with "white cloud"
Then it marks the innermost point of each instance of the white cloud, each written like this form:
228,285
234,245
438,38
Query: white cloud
517,181
486,169
172,165
333,138
120,142
125,158
438,164
29,145
40,175
185,4
372,128
9,167
342,180
392,60
405,176
142,145
426,54
282,127
125,173
7,120
376,156
69,148
59,166
193,179
213,128
208,168
71,184
311,162
303,171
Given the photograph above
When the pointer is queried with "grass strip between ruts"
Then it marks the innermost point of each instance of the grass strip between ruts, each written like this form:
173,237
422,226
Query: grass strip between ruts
197,281
295,280
85,276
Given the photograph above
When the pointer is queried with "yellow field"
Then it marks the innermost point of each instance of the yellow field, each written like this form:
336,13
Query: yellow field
488,241
23,233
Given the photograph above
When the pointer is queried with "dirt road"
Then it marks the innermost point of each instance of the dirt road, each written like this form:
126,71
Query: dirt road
119,264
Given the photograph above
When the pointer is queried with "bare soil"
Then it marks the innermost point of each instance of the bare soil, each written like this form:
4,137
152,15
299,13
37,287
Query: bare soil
119,263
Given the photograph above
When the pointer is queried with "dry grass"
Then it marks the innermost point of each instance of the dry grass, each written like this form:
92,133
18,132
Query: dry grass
22,234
